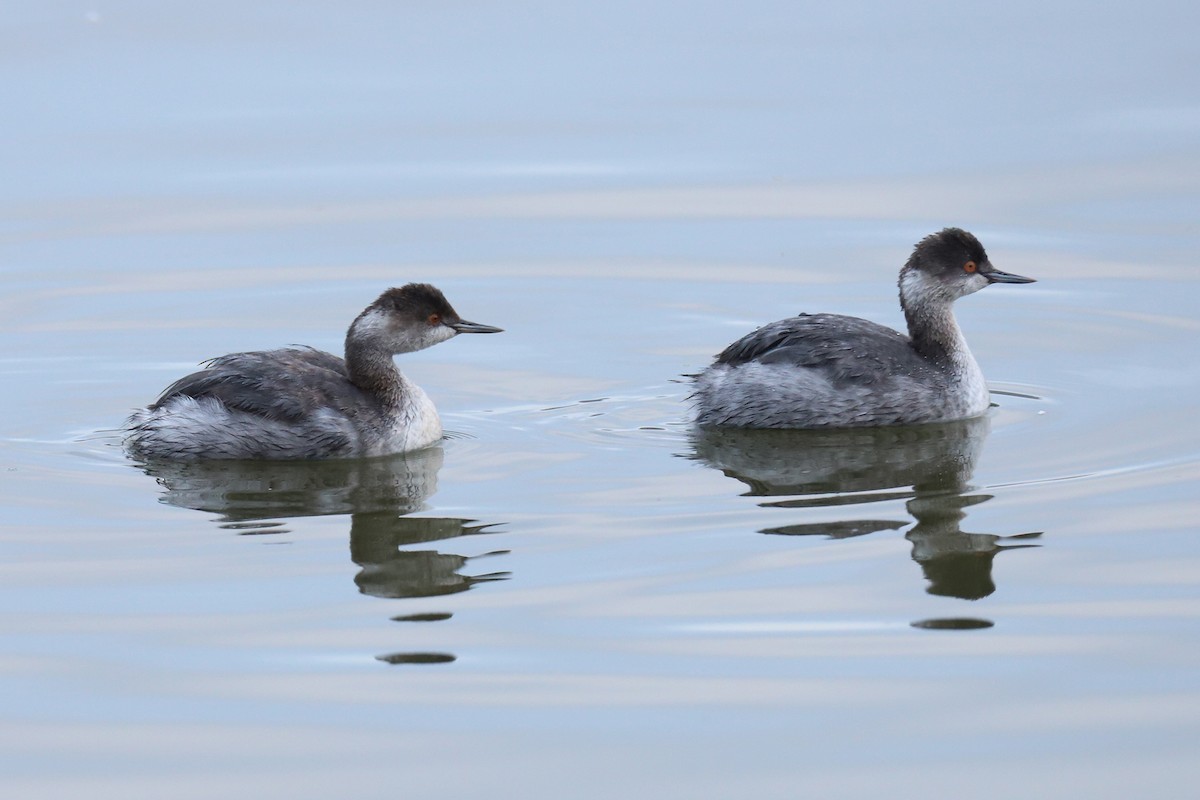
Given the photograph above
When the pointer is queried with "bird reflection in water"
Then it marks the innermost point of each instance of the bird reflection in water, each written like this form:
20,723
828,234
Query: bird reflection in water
377,494
928,466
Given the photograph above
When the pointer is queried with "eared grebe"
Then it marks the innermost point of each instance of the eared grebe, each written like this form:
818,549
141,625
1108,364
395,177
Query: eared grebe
831,371
298,402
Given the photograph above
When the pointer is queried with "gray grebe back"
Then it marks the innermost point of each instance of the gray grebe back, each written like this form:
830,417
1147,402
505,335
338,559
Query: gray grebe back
832,371
298,402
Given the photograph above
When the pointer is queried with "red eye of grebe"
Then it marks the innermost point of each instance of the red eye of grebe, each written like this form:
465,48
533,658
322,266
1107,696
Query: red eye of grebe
970,266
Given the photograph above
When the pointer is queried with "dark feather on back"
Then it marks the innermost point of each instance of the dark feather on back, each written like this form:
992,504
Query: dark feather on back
288,384
821,342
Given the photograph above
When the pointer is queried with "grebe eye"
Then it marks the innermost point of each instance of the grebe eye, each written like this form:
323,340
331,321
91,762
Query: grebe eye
434,319
970,266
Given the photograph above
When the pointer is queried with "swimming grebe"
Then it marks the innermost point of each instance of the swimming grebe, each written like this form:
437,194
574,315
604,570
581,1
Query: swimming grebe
298,402
831,371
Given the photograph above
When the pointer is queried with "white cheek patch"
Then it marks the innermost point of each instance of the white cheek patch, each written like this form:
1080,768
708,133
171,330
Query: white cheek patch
440,333
917,285
373,324
423,336
379,327
911,283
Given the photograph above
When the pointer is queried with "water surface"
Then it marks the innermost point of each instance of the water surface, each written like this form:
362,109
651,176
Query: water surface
577,595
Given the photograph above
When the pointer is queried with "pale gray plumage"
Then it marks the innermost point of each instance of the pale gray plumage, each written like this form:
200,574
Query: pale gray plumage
832,371
298,402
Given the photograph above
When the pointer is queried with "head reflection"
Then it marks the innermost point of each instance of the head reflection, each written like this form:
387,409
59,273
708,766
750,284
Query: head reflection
929,466
252,497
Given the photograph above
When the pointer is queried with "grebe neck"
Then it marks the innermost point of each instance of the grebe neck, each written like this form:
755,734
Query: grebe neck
373,370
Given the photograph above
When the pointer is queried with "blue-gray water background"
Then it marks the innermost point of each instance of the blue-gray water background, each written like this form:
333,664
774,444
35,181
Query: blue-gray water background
576,597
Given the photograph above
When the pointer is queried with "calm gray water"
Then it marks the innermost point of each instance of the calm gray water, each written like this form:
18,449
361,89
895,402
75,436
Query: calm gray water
577,596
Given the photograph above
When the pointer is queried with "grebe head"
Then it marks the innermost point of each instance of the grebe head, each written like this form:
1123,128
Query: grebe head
412,317
947,265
